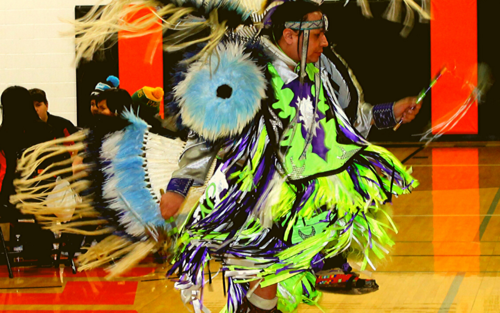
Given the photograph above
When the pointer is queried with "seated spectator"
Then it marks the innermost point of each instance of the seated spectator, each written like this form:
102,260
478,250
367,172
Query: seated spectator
112,102
147,102
21,128
59,127
111,82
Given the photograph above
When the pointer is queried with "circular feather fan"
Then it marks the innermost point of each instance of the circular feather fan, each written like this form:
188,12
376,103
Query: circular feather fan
221,95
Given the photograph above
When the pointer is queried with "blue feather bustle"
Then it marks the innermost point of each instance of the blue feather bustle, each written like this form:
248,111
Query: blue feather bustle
103,126
136,205
238,69
177,75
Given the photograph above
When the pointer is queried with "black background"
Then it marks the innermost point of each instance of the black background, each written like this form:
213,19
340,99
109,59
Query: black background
388,66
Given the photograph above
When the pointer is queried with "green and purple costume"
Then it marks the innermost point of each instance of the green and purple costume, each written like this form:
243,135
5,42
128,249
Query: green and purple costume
298,185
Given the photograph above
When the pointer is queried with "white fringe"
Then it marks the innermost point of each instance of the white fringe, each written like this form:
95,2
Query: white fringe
264,207
55,203
393,12
365,8
162,155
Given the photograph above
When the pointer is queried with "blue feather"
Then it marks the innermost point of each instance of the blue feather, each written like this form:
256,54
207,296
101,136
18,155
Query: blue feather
177,75
128,171
212,116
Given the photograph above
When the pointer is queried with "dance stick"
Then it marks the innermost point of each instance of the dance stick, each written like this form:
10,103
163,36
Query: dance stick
422,94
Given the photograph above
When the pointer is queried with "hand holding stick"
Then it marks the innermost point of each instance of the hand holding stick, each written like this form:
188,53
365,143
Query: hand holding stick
422,95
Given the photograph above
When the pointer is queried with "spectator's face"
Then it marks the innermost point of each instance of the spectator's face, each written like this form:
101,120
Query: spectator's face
102,108
41,109
93,107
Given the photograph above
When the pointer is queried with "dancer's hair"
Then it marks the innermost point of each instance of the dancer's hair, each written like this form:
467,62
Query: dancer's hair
293,11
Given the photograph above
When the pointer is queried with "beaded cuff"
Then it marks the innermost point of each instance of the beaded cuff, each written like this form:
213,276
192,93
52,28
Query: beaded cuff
383,115
180,185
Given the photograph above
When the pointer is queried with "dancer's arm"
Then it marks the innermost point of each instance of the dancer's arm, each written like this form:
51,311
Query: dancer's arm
194,165
381,115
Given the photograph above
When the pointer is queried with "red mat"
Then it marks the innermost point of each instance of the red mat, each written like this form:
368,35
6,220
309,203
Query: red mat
78,293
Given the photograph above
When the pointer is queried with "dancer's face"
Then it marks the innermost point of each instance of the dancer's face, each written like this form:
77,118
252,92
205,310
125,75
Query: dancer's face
317,39
291,42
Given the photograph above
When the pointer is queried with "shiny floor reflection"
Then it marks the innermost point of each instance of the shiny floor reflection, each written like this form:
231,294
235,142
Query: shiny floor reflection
447,256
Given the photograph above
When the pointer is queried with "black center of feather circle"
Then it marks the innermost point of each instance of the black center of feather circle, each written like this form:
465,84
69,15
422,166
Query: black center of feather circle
224,91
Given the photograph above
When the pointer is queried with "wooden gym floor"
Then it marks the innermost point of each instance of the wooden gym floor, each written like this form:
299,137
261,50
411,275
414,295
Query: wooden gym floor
446,259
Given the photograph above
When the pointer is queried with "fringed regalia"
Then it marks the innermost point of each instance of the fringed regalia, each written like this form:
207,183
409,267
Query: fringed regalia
294,181
298,185
114,194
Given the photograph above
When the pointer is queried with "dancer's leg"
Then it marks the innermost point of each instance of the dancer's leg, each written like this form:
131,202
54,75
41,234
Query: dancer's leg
262,299
266,292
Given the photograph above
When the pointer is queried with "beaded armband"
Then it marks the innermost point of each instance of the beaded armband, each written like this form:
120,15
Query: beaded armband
180,185
383,115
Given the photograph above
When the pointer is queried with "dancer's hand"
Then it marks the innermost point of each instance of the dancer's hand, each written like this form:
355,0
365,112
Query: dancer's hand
407,109
170,204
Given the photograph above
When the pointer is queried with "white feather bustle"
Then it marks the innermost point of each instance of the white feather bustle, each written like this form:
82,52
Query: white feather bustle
159,161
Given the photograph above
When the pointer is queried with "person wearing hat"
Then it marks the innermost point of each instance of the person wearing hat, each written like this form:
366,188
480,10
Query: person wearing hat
112,102
149,98
99,107
60,127
147,103
110,83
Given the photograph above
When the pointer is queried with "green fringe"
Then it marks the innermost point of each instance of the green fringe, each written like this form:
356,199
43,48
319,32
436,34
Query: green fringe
289,301
336,193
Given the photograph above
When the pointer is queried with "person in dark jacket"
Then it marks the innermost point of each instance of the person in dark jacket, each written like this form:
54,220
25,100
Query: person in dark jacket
59,127
21,128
